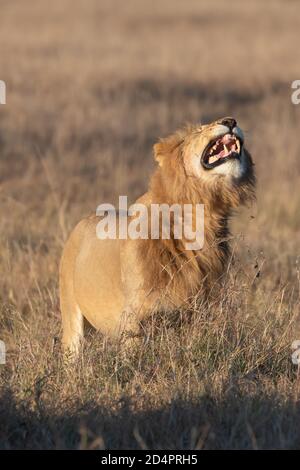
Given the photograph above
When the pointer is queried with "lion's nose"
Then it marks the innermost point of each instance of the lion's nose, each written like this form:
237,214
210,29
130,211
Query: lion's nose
229,122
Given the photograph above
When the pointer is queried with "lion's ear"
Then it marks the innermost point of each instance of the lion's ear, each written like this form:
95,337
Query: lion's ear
165,148
159,153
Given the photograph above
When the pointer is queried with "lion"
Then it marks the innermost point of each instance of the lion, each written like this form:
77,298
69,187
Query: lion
116,283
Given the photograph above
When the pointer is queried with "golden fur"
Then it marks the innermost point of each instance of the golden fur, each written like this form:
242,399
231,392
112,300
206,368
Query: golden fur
116,283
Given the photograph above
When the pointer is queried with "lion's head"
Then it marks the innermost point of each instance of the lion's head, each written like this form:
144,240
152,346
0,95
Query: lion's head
211,156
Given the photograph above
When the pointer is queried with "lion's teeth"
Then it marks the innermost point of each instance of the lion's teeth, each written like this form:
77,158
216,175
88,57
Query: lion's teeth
226,149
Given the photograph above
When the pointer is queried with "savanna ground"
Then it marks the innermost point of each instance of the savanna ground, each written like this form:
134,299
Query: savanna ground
90,87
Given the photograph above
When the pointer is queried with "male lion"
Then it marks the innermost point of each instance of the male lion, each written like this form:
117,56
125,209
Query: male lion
114,284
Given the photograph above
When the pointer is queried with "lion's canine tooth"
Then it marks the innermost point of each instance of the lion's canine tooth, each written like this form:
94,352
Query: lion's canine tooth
226,149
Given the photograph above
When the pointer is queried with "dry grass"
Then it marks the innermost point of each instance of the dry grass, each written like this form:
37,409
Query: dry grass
90,87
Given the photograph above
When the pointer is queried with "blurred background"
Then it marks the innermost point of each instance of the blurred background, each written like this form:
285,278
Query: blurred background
91,86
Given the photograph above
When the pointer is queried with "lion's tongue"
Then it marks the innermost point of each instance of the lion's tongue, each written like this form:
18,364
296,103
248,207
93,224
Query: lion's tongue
224,146
229,144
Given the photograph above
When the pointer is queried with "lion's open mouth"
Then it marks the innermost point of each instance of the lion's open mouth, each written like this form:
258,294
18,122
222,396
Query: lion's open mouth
221,150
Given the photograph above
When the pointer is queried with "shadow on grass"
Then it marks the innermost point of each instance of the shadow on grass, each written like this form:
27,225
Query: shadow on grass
237,421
